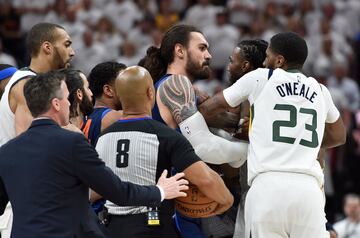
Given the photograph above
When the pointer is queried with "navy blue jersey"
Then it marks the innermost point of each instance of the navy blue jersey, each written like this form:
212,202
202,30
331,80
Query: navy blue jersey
92,124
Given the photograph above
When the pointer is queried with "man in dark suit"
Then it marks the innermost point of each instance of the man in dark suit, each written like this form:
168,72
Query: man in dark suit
46,172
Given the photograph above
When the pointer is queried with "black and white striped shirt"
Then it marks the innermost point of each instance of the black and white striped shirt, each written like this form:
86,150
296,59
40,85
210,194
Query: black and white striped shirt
138,150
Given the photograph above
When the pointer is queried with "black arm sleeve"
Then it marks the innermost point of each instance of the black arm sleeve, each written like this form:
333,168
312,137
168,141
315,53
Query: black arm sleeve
181,151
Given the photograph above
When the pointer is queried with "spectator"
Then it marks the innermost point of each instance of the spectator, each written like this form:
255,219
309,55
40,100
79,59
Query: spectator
222,37
201,14
341,80
349,227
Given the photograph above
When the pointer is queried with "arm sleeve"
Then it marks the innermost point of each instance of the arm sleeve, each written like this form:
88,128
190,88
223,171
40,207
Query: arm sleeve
210,148
332,112
181,151
93,172
241,89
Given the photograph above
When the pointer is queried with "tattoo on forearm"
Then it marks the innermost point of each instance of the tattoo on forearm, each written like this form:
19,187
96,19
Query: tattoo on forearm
178,95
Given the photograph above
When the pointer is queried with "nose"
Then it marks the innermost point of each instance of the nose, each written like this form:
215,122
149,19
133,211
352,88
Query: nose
72,52
208,55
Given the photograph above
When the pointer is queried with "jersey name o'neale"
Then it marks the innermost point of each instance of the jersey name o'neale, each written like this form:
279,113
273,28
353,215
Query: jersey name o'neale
297,89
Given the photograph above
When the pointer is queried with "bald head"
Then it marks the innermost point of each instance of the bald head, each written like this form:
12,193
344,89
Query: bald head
134,87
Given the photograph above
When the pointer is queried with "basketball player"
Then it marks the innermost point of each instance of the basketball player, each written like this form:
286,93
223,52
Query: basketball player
138,148
6,71
50,48
107,108
292,116
183,57
247,56
80,97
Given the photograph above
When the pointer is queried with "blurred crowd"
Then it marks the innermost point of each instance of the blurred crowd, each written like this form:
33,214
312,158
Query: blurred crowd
122,30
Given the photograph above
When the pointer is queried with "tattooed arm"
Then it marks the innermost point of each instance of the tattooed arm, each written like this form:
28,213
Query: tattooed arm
177,94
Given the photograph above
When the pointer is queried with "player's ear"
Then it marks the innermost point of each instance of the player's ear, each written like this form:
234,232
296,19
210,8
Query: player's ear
108,90
279,61
179,51
245,67
79,94
46,47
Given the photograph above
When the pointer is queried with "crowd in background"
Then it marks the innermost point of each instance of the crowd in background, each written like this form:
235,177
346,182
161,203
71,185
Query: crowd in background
122,30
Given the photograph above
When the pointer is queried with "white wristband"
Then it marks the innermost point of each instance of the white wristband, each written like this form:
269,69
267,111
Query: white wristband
162,192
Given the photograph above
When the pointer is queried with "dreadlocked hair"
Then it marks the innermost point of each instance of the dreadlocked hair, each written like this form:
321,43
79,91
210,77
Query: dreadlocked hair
254,51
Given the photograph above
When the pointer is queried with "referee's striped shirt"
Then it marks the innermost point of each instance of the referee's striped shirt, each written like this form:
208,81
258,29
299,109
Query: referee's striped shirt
138,150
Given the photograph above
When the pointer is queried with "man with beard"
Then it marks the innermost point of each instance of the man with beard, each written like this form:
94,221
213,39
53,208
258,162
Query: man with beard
50,49
292,117
183,57
247,56
80,97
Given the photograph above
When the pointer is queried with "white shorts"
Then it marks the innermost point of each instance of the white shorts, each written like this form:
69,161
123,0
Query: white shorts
281,204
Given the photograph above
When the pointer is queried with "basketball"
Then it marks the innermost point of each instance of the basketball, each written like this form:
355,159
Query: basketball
195,204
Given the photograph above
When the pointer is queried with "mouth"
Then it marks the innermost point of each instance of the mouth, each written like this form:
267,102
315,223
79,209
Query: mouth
206,64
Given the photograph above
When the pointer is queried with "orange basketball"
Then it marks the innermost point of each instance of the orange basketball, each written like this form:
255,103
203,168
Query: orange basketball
195,204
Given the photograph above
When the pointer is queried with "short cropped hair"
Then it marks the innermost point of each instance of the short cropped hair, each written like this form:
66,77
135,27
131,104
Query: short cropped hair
103,73
41,89
291,46
40,33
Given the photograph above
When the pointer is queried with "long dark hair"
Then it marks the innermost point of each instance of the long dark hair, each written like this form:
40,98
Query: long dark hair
157,60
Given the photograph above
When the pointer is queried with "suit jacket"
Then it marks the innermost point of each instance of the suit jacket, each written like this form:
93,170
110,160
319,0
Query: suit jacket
46,173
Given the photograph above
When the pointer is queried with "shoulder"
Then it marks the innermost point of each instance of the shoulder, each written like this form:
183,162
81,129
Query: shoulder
175,80
110,118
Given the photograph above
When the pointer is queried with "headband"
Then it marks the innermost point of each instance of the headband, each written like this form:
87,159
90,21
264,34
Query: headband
8,72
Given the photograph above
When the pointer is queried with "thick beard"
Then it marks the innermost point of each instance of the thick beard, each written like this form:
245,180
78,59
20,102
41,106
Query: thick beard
234,77
196,71
86,106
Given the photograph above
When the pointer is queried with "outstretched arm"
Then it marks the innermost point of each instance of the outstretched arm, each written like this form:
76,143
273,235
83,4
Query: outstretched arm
213,106
177,94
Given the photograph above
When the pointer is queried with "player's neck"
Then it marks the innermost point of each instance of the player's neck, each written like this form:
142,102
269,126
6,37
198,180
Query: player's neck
177,68
102,102
39,66
77,121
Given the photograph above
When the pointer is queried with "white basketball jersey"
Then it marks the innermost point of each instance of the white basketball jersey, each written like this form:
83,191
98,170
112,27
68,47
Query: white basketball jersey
288,115
7,117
